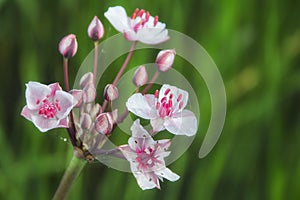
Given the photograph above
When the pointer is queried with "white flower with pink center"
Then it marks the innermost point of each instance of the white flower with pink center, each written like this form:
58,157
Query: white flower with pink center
165,109
146,158
48,106
141,26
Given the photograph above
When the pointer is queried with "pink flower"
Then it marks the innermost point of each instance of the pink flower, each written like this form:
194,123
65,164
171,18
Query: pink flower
146,158
140,27
48,106
165,109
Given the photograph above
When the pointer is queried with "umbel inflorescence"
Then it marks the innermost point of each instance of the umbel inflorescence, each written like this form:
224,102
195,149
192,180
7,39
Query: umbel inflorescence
49,106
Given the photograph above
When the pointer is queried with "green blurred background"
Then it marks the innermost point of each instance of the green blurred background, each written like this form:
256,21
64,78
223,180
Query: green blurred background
255,44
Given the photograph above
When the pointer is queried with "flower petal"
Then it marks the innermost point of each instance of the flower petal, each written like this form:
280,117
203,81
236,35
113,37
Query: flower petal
183,123
118,18
168,174
35,93
66,102
44,124
140,137
157,124
26,112
142,106
144,182
152,35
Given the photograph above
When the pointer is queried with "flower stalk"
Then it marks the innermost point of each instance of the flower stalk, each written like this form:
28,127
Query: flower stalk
75,167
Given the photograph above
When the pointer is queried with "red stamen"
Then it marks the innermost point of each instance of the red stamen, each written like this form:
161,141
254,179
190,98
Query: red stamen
147,16
171,96
155,20
180,105
167,91
163,100
141,12
179,97
134,14
156,94
38,101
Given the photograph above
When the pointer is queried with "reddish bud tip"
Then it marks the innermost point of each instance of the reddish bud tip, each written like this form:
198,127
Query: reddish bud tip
165,59
140,76
68,46
111,92
96,29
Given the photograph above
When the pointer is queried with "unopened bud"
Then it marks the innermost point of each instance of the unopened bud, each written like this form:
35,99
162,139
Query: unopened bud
68,46
111,92
104,123
165,59
77,94
86,79
89,93
140,76
95,29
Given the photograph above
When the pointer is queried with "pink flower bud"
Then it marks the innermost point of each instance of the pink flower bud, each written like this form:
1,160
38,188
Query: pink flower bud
68,46
140,76
165,59
111,92
104,123
86,79
95,29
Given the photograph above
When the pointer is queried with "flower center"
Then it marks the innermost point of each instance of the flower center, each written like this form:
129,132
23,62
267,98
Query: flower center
48,109
146,159
144,17
165,106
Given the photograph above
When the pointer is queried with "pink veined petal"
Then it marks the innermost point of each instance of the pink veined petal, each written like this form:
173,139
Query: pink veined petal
35,93
184,123
117,16
139,105
44,124
167,174
66,102
157,124
54,87
27,113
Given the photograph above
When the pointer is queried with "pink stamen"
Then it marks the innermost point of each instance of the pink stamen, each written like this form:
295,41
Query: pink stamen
179,97
170,103
180,105
167,91
134,14
163,100
147,16
38,101
155,20
171,96
156,94
141,12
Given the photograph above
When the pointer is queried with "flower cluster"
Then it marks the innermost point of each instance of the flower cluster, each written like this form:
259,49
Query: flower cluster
89,124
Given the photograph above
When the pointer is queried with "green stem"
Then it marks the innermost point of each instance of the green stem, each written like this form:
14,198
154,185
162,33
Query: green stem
75,167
